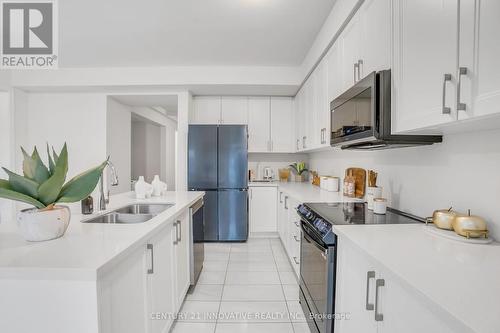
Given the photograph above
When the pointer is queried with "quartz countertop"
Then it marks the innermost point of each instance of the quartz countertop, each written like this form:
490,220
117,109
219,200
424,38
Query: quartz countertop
463,279
87,249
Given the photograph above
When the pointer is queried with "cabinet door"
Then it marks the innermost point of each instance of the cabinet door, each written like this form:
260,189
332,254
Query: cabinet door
160,272
281,214
479,54
299,120
335,72
207,110
306,113
263,209
122,297
354,284
403,312
351,40
234,110
181,241
293,222
425,50
282,125
322,106
259,128
375,44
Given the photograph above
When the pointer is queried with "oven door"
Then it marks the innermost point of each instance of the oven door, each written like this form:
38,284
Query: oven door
314,276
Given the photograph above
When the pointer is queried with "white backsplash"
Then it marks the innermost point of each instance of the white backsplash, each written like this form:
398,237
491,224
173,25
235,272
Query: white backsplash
463,172
258,162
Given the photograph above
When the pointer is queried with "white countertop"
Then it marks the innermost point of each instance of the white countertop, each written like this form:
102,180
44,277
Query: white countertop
87,249
306,192
462,279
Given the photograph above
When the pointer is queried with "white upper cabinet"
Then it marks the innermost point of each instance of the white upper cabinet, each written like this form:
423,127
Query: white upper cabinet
207,110
351,54
425,63
234,110
375,20
479,54
282,134
322,105
334,76
258,124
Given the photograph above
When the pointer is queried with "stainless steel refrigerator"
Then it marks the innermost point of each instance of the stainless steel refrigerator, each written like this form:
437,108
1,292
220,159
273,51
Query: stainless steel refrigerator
218,165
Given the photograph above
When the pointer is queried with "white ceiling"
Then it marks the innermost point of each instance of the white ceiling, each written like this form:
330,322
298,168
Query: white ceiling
131,33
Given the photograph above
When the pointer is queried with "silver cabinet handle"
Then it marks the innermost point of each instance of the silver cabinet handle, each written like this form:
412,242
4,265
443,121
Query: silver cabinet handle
360,67
378,283
180,231
286,202
446,110
296,239
296,261
176,233
304,142
281,197
152,269
321,137
369,275
356,66
298,141
460,106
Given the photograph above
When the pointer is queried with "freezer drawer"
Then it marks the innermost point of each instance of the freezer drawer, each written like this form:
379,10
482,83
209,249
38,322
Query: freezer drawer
233,215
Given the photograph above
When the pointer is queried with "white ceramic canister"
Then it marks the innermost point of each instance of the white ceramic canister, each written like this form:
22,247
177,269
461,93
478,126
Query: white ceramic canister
372,193
380,206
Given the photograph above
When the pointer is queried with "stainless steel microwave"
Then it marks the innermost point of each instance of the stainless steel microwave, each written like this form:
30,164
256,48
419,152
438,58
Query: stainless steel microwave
361,117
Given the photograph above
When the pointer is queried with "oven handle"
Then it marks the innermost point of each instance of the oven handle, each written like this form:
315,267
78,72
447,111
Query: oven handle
312,241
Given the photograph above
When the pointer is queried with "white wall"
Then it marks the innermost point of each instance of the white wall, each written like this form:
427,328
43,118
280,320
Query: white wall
118,143
462,172
6,139
257,162
77,119
147,150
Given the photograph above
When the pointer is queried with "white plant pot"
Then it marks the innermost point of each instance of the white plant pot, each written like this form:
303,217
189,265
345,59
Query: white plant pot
36,225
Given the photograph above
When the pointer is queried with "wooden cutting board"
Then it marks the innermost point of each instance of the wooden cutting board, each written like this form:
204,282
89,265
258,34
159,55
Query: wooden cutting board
360,175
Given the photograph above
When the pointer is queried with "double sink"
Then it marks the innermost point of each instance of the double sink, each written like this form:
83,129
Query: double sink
135,213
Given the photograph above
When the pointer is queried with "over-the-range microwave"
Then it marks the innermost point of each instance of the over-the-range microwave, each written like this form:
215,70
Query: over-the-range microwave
361,117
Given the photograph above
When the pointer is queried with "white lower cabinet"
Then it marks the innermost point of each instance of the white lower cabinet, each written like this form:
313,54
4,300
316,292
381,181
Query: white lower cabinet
146,290
160,286
180,258
263,209
376,301
289,229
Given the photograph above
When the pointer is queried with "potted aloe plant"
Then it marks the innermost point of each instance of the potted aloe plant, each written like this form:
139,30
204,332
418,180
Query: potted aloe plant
299,168
45,188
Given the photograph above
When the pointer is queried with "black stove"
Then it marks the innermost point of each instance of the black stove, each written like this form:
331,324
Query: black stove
318,253
321,216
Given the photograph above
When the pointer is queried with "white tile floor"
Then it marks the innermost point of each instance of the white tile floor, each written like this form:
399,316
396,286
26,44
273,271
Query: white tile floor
244,287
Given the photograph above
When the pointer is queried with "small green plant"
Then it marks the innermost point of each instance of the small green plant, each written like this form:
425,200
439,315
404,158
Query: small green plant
43,186
299,168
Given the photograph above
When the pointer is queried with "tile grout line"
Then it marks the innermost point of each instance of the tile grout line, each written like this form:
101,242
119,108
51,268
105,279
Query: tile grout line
283,291
222,291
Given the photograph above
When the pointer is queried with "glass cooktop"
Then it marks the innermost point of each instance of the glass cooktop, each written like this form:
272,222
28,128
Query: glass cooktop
358,213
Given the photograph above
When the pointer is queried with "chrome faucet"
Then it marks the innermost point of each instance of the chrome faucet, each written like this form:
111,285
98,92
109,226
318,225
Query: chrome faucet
114,182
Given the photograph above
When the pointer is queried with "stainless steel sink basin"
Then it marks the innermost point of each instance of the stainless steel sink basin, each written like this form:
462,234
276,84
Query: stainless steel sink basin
154,209
121,218
136,213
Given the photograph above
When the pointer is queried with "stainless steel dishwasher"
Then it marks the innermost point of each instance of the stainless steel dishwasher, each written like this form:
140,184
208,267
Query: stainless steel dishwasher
197,216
